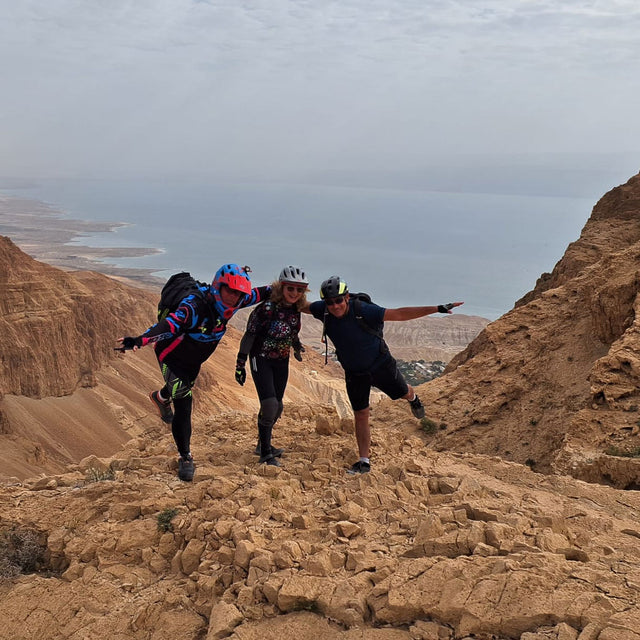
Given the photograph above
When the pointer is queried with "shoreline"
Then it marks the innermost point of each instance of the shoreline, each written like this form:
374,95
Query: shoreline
45,233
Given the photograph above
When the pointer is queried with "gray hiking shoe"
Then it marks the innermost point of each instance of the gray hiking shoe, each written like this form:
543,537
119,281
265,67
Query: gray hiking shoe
186,468
163,407
359,467
417,408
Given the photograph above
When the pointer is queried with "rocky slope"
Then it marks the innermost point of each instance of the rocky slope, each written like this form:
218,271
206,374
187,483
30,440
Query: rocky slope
555,382
428,546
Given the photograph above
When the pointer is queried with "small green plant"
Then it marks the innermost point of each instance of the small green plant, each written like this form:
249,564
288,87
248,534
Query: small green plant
428,426
165,517
530,462
623,453
21,551
98,475
533,422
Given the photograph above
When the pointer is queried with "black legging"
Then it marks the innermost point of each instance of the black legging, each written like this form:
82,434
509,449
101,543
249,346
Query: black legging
181,424
179,390
270,378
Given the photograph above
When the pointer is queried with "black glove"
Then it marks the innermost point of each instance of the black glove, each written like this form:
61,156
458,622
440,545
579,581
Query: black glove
297,353
445,308
128,343
241,372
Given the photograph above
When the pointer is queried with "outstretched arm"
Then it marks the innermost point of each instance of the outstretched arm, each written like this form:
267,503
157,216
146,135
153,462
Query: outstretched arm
410,313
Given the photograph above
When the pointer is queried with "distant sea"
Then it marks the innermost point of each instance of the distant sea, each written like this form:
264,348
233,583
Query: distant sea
404,246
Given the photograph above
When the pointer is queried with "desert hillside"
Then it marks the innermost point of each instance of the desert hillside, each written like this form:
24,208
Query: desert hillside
65,394
470,524
555,383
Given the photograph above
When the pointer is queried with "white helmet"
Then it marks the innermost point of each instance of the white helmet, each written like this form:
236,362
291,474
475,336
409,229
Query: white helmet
293,274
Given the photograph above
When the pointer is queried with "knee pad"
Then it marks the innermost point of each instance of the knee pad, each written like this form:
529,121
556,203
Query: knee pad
269,411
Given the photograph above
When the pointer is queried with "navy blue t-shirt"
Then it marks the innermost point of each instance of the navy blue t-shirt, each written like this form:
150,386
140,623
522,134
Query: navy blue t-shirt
357,350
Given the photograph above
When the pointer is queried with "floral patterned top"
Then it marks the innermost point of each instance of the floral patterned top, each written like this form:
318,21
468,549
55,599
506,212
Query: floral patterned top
272,329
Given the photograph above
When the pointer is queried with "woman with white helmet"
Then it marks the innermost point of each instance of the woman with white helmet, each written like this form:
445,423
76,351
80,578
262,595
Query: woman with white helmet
272,330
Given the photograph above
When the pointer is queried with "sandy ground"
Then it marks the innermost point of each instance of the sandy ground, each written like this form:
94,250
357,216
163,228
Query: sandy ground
44,233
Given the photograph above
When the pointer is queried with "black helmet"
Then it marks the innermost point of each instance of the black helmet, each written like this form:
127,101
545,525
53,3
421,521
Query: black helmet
333,287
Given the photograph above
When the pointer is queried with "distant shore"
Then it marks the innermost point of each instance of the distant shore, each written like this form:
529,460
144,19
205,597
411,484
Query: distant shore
44,233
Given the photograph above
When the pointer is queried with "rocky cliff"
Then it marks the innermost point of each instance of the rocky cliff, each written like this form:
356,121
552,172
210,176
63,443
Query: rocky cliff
554,382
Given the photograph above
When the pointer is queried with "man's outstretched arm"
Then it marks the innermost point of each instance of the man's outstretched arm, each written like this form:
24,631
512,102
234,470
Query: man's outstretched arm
410,313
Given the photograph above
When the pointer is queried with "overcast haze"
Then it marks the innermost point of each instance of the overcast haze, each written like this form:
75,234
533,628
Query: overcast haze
283,88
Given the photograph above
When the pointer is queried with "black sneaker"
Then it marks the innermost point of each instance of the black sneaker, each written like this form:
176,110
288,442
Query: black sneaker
417,408
274,451
359,467
186,468
163,407
270,460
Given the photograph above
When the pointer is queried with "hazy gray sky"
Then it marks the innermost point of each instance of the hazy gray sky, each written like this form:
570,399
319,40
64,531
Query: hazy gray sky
270,88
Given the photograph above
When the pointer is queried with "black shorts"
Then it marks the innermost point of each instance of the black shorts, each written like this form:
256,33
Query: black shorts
386,377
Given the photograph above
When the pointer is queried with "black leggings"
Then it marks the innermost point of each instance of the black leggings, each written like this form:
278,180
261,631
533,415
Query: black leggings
179,390
270,378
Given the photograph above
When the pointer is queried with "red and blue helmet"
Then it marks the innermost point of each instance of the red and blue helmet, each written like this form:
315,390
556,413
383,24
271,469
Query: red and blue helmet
235,278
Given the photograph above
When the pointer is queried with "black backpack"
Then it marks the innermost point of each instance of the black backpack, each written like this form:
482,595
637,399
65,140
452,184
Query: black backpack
175,290
357,299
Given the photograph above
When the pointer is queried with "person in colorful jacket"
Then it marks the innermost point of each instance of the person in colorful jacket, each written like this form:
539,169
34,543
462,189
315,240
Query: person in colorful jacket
272,331
184,340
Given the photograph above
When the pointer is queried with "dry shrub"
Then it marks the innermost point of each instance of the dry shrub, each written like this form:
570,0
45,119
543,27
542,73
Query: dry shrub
21,551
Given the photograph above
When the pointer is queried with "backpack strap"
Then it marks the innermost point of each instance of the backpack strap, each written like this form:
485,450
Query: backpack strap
377,331
209,303
263,327
324,335
357,310
362,323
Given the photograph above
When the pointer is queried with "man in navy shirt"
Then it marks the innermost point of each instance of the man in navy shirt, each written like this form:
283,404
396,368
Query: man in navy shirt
363,354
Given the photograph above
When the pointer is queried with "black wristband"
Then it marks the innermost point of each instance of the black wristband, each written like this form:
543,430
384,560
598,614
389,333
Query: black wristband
444,308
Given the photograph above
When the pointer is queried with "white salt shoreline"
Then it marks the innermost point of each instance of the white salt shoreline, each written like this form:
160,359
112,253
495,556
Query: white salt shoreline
46,234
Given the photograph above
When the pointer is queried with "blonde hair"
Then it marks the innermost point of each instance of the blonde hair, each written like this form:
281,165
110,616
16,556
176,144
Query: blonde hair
277,294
